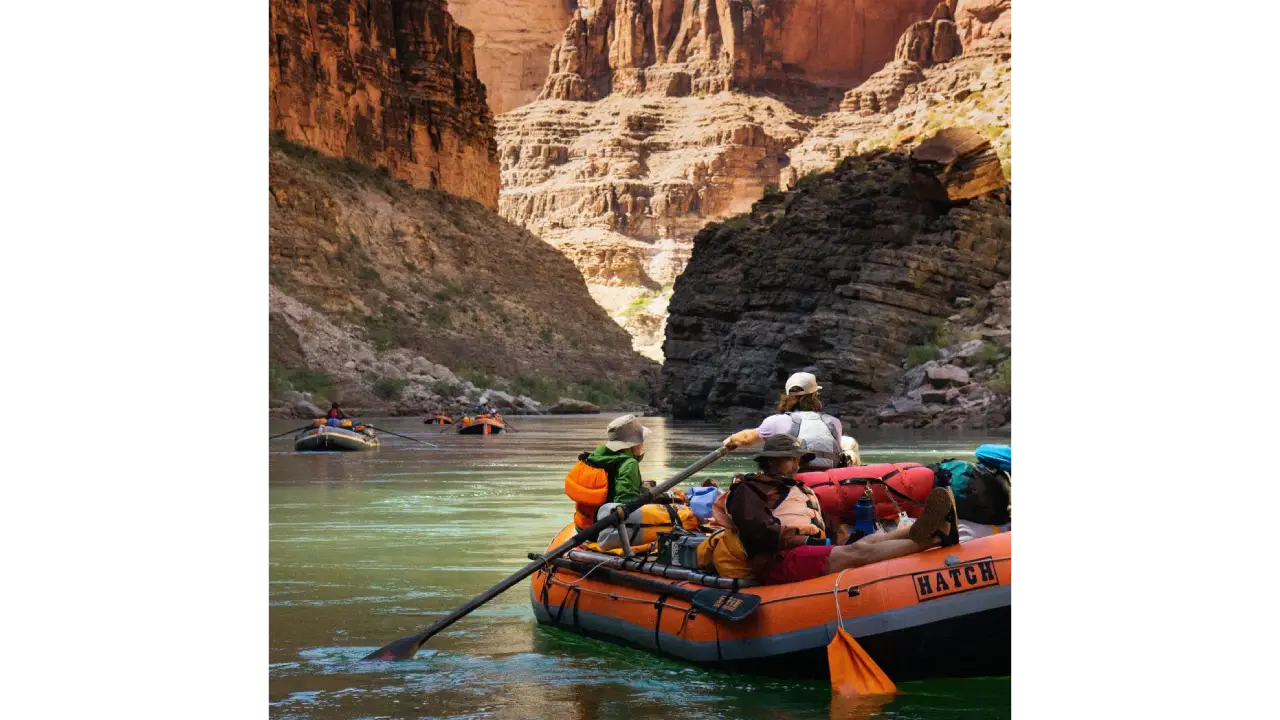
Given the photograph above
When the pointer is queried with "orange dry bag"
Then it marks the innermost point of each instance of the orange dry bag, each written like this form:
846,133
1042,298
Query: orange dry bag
589,486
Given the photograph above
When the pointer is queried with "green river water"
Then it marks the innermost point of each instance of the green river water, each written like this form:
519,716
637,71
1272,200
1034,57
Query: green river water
368,547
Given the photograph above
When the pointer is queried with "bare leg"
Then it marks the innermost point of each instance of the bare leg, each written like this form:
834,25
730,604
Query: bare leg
861,553
895,534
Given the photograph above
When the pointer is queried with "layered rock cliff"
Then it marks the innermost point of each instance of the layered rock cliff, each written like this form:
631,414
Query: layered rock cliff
621,185
399,297
659,116
514,39
389,83
888,278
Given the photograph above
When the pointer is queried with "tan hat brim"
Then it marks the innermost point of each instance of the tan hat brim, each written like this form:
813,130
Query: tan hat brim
617,445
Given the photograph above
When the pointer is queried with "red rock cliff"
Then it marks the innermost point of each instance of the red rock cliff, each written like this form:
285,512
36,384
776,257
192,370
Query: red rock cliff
689,47
389,83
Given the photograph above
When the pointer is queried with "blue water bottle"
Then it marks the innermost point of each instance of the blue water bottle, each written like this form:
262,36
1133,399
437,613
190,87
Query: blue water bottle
864,516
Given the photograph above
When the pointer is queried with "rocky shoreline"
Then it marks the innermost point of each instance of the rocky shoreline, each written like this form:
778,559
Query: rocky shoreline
294,404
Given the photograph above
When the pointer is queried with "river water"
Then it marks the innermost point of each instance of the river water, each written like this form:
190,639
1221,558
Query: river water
368,547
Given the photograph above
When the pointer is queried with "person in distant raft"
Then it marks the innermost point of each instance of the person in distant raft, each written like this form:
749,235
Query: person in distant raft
820,432
335,412
777,533
610,473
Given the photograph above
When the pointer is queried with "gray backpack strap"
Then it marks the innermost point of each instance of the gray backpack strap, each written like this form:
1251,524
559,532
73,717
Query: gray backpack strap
795,425
836,456
830,422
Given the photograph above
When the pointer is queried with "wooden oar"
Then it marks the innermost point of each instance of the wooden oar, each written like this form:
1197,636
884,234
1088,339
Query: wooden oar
407,647
406,437
290,432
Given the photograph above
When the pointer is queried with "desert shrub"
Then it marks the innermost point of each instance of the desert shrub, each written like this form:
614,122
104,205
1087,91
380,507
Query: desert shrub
388,388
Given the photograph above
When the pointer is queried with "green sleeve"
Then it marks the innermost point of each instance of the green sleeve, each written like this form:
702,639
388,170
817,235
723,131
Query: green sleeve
627,485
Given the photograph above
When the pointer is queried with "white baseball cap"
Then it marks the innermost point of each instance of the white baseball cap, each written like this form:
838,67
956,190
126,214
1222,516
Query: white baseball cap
802,383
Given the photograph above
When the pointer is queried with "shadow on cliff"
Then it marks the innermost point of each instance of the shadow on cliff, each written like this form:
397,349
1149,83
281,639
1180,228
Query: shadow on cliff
863,275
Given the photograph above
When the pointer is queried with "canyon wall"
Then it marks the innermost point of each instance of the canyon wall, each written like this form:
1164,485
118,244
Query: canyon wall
394,286
887,277
659,116
388,83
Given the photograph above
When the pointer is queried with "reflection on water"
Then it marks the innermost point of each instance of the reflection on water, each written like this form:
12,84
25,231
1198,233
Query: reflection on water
368,547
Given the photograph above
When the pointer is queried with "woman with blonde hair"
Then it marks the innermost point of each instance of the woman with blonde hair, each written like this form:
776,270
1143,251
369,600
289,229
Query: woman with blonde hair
851,451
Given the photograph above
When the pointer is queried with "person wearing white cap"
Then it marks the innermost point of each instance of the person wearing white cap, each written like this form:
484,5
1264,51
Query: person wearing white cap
821,433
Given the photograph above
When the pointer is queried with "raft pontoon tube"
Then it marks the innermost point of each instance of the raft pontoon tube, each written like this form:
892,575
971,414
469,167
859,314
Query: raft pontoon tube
327,437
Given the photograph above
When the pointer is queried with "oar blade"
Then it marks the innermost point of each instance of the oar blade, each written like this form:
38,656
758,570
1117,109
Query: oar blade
402,649
730,606
405,648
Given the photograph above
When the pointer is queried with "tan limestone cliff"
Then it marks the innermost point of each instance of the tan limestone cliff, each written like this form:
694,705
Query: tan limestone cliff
621,185
514,39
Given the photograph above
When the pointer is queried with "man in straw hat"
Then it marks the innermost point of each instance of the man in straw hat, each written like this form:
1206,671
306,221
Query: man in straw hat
784,533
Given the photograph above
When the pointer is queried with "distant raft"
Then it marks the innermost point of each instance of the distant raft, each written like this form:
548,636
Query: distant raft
325,437
438,419
481,425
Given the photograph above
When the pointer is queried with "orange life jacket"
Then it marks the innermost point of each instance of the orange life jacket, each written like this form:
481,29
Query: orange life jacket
589,486
800,508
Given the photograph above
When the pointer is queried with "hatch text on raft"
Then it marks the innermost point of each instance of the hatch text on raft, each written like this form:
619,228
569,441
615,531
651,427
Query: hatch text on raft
934,584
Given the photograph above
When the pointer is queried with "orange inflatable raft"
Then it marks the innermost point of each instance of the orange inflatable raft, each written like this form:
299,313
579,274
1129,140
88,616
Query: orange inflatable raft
940,613
481,425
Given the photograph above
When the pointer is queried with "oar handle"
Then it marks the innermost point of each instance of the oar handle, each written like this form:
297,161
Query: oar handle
386,653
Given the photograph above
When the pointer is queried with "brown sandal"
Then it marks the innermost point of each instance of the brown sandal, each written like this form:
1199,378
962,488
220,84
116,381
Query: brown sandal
939,512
